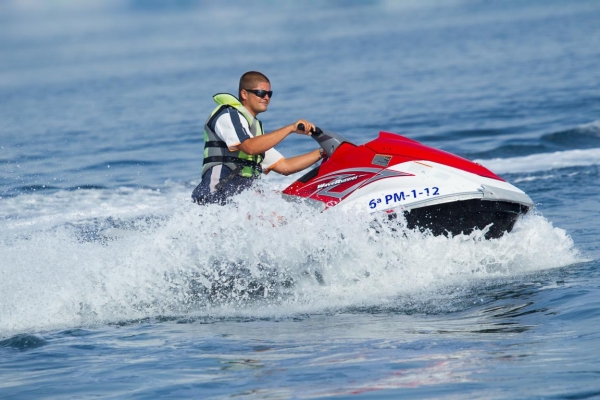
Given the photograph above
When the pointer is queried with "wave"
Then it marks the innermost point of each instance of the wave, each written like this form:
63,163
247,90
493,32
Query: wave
145,254
582,137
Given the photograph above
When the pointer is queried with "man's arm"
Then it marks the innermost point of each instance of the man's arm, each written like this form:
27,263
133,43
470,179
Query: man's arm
291,165
262,143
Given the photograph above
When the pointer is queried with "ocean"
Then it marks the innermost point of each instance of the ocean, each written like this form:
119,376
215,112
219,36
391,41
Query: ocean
113,284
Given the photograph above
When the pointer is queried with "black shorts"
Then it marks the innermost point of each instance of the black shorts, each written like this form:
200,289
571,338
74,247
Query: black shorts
202,195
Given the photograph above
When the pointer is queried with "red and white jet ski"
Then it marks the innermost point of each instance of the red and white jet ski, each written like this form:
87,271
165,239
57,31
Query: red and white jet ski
434,189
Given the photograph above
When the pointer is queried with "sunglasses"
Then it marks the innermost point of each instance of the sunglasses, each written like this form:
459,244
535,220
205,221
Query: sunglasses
261,93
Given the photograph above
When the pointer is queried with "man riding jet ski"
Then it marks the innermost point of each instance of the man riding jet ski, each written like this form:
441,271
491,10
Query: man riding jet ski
433,189
236,149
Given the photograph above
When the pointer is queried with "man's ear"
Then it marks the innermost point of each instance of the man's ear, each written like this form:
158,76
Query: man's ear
243,95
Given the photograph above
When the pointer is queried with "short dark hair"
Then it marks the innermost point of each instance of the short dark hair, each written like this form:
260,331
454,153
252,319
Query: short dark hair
251,79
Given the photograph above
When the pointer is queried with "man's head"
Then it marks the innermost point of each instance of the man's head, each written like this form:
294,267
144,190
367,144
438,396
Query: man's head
253,86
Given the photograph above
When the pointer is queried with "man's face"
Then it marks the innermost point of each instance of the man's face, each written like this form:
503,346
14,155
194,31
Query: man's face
252,102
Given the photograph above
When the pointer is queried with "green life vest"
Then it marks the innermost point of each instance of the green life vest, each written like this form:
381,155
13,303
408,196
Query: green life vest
215,149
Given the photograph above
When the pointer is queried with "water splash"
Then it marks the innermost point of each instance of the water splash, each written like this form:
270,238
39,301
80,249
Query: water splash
144,254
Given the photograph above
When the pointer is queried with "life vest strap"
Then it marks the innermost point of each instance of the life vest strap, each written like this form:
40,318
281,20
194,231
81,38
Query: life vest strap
215,143
234,160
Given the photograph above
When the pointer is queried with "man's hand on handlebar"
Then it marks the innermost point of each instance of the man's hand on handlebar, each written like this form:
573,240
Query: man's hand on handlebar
304,127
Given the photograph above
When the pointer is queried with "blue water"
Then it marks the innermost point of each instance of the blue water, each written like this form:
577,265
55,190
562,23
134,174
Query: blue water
106,267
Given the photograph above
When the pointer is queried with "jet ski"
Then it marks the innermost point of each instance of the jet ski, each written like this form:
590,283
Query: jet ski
434,190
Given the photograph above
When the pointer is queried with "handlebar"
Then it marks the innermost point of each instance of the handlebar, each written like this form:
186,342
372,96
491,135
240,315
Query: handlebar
316,132
328,140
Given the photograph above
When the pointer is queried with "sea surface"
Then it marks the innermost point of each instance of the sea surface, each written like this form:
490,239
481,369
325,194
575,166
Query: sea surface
113,284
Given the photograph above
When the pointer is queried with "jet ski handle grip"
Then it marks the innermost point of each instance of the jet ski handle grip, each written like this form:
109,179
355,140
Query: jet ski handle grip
316,132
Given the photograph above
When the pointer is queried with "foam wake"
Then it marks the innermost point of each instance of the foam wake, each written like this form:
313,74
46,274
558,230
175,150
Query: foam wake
577,147
543,162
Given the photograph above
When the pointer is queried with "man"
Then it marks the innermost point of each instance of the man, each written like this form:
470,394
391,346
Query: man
237,151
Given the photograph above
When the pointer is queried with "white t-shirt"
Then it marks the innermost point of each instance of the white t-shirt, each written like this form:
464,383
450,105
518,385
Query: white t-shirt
225,129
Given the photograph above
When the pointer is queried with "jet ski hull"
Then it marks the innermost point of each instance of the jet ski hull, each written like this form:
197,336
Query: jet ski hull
433,189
